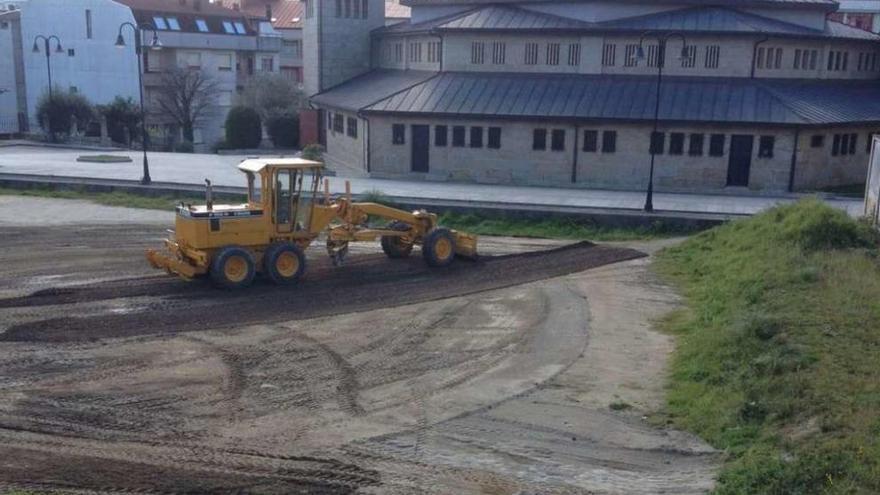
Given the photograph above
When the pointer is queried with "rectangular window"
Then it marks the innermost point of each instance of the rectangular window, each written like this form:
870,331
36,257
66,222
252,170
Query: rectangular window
797,59
88,24
441,134
853,138
202,26
676,143
329,118
347,12
267,64
499,51
759,61
653,56
159,22
478,52
173,24
552,53
658,142
239,28
458,136
630,57
574,54
695,148
338,125
494,138
845,61
817,141
356,9
476,137
415,52
591,141
351,127
844,144
609,52
689,60
433,52
835,146
814,59
765,146
557,140
539,139
338,8
398,53
609,141
364,7
531,57
713,54
716,145
861,61
224,62
228,27
398,134
192,60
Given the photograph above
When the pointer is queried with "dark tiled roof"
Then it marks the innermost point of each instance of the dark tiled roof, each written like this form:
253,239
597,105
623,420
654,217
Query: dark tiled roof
706,19
827,5
628,98
504,17
369,88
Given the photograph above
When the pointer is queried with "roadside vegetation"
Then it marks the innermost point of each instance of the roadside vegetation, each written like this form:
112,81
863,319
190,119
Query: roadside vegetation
554,228
778,357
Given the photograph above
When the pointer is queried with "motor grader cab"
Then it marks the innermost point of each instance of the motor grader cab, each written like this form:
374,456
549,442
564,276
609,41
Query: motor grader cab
285,212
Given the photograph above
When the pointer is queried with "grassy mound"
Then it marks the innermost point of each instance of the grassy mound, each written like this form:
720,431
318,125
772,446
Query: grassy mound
778,359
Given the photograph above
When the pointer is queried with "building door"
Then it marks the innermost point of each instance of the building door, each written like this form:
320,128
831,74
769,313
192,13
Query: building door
420,142
740,160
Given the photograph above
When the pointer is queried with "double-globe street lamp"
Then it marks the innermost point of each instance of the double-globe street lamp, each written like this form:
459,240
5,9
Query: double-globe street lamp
662,38
46,48
155,44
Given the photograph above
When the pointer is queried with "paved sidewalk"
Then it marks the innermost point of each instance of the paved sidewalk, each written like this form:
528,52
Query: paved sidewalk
193,169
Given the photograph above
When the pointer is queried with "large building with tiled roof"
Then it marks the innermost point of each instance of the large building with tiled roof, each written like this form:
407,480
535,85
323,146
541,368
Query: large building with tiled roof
760,95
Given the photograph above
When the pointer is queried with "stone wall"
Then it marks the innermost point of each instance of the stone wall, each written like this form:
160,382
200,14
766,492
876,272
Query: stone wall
344,151
818,167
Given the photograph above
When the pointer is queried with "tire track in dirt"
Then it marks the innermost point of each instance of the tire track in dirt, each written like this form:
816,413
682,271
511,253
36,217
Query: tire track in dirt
372,283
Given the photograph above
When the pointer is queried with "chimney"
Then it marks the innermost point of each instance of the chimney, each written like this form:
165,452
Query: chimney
269,12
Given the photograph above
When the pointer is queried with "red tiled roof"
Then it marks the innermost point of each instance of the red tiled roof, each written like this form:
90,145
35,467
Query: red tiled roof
182,7
287,14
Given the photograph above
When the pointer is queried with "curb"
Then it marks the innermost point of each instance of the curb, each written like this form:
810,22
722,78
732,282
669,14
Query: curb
610,217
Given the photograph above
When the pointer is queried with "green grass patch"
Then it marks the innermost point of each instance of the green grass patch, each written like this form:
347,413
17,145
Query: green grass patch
848,190
163,202
103,159
778,357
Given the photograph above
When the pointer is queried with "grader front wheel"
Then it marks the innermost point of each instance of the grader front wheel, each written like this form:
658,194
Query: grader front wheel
396,247
438,247
233,268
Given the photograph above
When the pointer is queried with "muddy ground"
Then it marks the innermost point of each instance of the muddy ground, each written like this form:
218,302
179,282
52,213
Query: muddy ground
382,376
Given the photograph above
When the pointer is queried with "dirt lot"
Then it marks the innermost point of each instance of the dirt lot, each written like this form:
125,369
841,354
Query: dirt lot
383,376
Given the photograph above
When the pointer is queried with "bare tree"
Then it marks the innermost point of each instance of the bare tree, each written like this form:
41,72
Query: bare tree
187,97
272,95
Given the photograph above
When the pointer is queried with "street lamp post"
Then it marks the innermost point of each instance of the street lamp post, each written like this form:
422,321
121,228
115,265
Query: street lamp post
662,38
58,49
138,50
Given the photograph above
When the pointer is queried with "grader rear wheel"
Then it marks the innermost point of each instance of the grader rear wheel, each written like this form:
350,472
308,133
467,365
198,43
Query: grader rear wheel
438,247
233,268
395,247
284,263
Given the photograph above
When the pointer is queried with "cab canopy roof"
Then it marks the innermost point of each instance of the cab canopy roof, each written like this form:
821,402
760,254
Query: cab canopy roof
257,165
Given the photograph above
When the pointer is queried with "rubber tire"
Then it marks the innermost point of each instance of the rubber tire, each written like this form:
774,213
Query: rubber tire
392,246
218,277
429,244
272,253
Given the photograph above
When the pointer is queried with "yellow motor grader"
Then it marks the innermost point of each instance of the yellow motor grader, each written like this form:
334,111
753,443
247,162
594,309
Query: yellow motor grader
283,215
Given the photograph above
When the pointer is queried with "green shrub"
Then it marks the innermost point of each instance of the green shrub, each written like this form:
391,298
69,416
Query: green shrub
123,117
313,152
184,147
244,129
57,114
284,130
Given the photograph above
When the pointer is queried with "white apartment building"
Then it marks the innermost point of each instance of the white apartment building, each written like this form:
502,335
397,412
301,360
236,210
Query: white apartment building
88,62
224,44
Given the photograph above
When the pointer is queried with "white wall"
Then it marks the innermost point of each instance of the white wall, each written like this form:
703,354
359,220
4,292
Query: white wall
8,104
99,70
